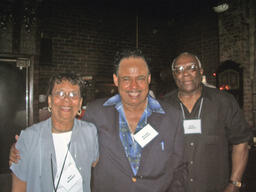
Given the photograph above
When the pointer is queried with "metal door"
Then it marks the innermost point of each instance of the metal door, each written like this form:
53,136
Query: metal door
13,104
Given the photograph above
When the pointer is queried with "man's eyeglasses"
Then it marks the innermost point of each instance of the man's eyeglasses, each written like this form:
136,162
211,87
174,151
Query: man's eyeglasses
70,95
189,68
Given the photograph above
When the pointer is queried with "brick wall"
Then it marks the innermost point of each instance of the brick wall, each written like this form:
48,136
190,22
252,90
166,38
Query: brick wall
234,45
198,33
85,38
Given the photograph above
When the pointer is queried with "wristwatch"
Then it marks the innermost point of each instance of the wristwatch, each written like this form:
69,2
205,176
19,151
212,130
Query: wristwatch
236,183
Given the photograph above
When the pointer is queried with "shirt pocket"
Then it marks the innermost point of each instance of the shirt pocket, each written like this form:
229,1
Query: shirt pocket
155,158
210,160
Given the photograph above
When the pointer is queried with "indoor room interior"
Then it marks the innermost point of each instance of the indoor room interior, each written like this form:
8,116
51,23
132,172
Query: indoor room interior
40,37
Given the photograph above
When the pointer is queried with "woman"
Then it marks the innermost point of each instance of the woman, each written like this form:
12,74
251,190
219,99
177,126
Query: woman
57,154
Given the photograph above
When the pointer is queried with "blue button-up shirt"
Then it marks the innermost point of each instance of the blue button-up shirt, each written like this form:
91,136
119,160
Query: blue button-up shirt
131,147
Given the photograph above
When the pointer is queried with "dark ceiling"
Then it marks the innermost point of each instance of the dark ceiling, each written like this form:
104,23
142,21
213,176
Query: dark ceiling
156,8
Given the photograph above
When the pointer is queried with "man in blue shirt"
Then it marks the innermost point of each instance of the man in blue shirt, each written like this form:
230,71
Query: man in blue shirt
141,139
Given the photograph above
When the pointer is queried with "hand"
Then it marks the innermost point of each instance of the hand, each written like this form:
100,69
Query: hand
14,155
231,188
95,163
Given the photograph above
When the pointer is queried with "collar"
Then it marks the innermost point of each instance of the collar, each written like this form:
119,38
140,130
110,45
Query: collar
153,104
204,92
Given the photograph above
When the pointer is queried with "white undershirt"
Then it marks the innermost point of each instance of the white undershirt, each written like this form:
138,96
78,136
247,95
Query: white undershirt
61,141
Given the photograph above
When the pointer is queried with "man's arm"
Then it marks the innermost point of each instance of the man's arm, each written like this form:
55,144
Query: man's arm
239,161
17,184
180,174
179,183
14,155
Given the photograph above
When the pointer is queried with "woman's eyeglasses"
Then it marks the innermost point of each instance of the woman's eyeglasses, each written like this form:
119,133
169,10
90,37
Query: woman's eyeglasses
70,95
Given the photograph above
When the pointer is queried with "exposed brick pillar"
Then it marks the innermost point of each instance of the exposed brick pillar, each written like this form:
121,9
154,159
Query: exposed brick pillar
233,45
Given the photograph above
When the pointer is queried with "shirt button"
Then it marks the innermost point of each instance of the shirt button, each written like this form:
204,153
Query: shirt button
191,162
192,144
191,179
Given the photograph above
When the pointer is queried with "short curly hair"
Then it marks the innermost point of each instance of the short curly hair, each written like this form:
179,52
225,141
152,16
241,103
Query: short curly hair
71,77
126,53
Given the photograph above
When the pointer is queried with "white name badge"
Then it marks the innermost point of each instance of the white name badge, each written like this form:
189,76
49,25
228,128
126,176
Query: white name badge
145,135
70,176
192,126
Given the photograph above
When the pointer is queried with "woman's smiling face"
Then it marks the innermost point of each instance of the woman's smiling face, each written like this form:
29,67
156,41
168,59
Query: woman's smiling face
65,101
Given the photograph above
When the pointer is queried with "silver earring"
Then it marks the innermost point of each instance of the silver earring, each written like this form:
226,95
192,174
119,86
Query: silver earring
49,109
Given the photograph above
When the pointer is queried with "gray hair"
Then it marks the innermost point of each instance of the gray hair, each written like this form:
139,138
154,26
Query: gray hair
186,54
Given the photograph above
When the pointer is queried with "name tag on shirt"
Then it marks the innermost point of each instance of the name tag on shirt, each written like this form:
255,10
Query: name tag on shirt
145,135
70,176
192,126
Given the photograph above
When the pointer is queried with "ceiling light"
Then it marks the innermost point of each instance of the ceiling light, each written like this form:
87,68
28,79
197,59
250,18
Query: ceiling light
221,8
